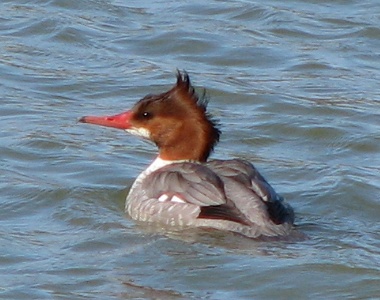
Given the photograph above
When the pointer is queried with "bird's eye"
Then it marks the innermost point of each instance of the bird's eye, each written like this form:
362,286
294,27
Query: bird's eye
146,115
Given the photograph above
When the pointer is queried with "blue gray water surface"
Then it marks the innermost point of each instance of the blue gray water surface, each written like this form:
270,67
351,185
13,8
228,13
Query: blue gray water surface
296,87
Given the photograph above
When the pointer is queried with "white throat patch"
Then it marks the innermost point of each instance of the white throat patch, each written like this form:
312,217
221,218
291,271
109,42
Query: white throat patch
141,132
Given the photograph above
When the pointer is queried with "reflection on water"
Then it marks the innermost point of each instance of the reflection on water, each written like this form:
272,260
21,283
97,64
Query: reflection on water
295,86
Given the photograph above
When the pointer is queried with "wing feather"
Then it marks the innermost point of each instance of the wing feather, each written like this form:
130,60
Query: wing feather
194,183
246,174
204,185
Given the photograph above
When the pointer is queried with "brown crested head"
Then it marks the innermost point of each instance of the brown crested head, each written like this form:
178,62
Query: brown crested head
176,121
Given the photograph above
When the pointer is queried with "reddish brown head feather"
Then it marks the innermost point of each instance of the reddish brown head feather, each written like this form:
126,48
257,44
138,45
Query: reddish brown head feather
178,122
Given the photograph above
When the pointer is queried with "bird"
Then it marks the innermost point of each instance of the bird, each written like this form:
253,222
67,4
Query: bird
182,187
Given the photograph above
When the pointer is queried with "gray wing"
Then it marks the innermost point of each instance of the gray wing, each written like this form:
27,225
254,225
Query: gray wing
192,183
196,184
247,175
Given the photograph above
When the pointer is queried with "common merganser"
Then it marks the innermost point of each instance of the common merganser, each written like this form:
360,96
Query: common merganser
181,187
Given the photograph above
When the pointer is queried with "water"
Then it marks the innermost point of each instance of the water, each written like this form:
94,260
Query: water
296,87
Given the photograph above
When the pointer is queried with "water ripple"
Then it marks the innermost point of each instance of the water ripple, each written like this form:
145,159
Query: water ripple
295,86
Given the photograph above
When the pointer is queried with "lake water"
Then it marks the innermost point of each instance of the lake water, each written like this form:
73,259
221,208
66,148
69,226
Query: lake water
296,87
